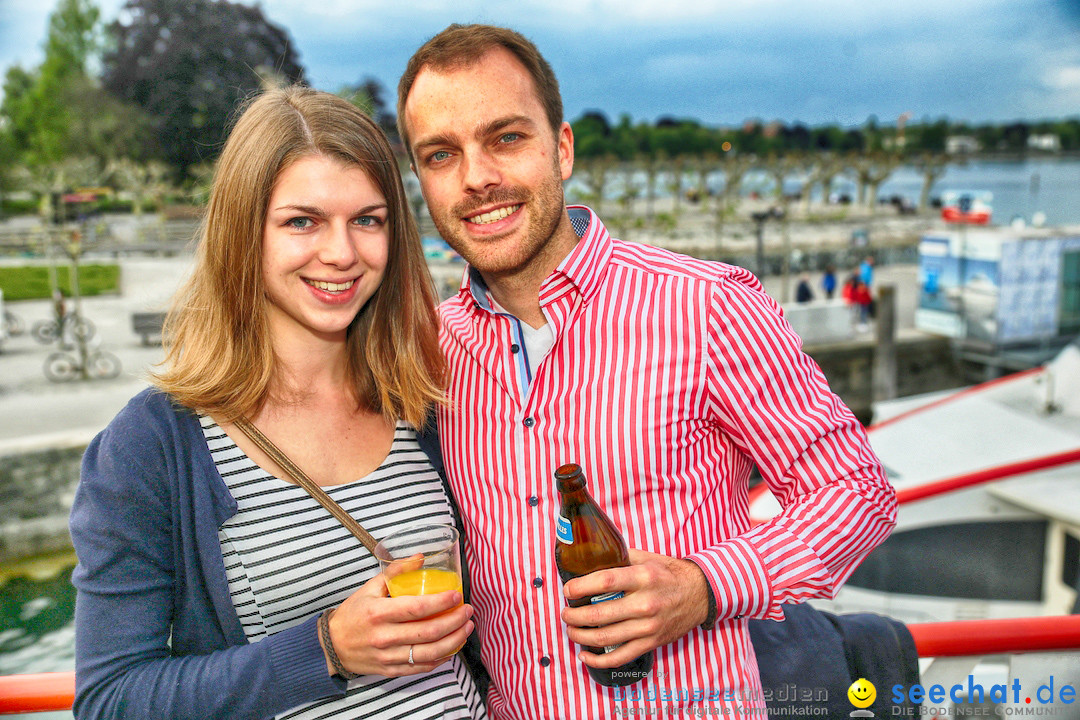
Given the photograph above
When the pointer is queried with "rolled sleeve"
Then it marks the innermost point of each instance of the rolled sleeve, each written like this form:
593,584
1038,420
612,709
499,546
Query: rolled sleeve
774,402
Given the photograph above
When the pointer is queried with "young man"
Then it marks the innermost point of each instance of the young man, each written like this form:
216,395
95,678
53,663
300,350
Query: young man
667,378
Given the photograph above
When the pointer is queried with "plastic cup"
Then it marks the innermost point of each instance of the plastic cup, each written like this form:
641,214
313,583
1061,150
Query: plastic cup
421,560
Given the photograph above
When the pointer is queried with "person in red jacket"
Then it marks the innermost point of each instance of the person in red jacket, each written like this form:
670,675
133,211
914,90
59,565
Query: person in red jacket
860,296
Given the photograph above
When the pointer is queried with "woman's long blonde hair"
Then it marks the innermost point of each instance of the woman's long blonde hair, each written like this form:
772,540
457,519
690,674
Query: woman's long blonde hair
219,357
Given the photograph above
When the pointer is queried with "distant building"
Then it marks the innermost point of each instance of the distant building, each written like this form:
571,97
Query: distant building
1047,142
961,144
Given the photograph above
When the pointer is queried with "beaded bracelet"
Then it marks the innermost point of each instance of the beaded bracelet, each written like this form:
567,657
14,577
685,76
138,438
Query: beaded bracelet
328,645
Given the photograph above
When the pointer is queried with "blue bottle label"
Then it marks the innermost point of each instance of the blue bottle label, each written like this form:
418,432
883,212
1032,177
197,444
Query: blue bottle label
606,596
563,531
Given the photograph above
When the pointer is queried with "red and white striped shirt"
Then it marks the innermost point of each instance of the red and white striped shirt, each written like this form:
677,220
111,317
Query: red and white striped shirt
669,378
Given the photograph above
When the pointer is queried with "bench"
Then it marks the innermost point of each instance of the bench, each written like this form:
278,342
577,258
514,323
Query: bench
147,325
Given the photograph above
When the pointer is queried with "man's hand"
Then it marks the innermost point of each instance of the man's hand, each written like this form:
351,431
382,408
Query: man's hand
663,599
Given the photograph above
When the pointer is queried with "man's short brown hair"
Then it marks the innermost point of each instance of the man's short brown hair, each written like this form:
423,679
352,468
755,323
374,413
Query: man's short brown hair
462,45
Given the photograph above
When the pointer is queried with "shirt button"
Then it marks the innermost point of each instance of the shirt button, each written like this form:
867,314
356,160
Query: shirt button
534,501
538,582
529,422
545,661
514,348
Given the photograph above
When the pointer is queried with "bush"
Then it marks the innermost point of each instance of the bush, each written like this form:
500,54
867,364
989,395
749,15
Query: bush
18,207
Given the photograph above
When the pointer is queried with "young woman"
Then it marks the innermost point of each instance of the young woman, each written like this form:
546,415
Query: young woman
209,585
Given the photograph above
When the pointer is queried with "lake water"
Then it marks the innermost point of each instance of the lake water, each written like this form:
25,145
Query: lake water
36,615
1020,188
37,629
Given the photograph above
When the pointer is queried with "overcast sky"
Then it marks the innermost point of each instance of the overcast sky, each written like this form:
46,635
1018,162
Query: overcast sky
718,61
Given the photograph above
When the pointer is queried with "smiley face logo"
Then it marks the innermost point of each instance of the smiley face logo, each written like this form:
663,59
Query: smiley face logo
862,693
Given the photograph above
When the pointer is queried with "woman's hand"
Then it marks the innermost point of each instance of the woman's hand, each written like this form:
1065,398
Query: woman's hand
372,632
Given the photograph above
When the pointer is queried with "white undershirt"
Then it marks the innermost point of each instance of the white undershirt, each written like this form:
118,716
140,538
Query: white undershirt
538,342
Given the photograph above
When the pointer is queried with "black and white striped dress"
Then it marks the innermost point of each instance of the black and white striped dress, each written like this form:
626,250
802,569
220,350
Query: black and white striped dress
287,559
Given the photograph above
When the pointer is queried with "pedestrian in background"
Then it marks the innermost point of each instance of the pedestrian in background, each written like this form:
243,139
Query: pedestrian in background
828,281
803,293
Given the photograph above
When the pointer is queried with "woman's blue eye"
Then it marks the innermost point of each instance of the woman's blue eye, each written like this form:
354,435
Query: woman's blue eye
299,222
368,220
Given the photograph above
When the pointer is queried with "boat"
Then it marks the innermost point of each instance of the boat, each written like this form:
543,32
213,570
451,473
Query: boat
985,557
966,207
989,482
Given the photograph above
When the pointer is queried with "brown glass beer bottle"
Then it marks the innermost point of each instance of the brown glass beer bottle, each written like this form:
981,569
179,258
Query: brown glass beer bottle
587,541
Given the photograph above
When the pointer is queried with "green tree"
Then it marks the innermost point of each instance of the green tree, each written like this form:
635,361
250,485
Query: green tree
187,64
74,37
370,96
35,116
592,135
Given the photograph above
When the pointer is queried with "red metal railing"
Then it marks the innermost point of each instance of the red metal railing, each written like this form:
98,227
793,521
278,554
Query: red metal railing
55,691
959,395
958,482
40,692
996,636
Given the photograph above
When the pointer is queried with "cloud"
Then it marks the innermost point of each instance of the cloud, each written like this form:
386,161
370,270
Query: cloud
1064,78
720,61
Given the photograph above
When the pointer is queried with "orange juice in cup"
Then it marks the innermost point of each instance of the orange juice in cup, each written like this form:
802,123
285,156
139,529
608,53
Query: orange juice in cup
421,560
425,581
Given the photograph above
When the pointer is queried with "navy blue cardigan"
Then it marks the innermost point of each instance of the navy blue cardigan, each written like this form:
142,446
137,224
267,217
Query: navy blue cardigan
156,634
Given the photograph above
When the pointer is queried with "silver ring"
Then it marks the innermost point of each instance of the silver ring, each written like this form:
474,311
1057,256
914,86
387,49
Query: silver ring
410,655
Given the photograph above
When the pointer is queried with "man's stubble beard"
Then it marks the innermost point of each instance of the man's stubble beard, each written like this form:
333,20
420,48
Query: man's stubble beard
491,258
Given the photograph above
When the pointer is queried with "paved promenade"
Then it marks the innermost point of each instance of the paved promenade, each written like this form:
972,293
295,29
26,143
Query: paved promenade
37,413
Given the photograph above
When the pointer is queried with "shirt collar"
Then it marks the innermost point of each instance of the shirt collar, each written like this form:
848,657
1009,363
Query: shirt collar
582,269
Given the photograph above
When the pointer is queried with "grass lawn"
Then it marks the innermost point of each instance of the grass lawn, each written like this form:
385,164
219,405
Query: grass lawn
32,282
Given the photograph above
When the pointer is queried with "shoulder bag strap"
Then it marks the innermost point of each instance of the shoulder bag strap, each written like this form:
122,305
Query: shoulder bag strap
301,479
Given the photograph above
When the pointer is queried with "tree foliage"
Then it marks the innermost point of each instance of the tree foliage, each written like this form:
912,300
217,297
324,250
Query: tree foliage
370,96
36,118
57,116
669,137
187,63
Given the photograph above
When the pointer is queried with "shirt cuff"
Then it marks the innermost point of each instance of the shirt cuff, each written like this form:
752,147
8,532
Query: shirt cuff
738,580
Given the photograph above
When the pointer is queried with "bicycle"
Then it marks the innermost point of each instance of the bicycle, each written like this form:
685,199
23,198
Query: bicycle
47,332
98,365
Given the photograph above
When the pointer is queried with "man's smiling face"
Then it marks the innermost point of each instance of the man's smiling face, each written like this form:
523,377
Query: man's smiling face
490,165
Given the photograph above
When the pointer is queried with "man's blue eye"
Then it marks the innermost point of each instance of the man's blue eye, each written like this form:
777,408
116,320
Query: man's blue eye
440,156
510,137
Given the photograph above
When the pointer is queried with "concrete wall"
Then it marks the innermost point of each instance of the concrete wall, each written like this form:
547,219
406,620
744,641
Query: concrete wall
819,323
924,363
37,486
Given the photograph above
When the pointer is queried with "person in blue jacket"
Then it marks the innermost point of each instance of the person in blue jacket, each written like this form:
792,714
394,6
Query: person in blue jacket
210,587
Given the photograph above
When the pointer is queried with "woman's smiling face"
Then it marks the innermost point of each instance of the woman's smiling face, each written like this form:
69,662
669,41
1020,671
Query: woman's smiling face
325,247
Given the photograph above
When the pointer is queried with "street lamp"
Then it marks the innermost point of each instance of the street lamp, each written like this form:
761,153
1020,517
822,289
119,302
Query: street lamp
759,219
